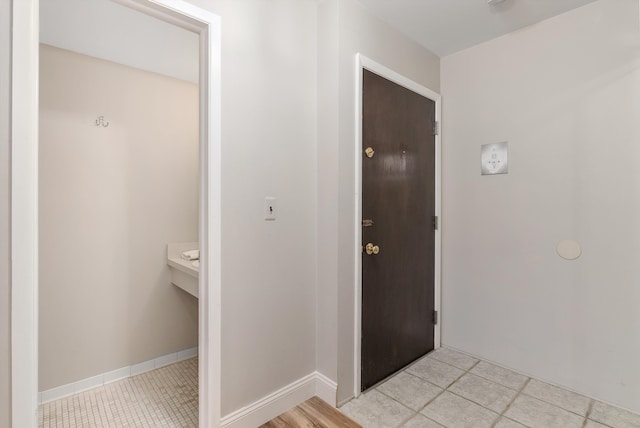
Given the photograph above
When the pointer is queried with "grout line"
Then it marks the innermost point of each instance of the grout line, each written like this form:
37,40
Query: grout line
404,370
590,409
443,389
473,366
587,417
425,380
404,421
557,405
496,382
591,400
468,399
515,397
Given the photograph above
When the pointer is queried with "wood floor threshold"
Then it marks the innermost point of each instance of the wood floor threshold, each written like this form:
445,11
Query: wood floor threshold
313,413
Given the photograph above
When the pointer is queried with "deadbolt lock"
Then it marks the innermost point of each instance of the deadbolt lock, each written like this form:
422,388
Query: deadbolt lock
369,152
371,249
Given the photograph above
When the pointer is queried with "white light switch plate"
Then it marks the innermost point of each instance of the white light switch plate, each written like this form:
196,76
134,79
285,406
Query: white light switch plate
269,208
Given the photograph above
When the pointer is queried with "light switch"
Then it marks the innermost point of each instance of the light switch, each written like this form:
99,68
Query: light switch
269,208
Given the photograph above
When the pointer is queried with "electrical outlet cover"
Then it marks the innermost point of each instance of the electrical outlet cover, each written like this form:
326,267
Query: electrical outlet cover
494,158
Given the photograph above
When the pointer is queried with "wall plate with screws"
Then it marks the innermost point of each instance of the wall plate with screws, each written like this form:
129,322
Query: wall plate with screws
269,208
494,158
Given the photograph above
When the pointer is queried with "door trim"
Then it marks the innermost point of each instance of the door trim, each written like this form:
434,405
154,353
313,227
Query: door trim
362,62
24,203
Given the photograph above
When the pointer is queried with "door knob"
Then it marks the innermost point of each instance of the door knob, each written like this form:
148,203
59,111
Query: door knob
369,152
371,249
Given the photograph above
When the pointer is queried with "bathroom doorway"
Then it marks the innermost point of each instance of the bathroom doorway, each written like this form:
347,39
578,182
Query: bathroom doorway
118,184
95,189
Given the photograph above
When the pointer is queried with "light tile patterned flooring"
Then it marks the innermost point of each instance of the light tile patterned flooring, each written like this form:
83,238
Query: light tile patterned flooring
450,389
166,397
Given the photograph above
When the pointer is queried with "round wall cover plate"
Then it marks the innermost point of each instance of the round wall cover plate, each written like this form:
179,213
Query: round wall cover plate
569,249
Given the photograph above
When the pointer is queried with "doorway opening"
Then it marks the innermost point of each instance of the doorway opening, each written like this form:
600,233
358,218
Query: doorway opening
25,196
118,186
367,260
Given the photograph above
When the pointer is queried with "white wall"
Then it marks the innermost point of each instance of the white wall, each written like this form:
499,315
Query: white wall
269,146
564,93
269,134
327,197
269,108
5,195
111,198
358,31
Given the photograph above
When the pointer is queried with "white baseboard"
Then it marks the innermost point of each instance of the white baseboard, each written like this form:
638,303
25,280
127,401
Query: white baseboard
326,389
345,401
114,375
282,400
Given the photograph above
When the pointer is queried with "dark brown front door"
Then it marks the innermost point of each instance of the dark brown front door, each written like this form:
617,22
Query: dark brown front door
398,205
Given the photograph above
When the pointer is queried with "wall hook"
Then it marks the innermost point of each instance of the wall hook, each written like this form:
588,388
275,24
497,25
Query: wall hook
100,121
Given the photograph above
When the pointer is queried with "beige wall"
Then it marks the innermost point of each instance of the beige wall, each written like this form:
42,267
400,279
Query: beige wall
5,299
110,200
269,149
357,31
564,93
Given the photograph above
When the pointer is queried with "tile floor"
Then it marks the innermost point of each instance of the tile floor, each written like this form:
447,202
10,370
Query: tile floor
166,397
450,389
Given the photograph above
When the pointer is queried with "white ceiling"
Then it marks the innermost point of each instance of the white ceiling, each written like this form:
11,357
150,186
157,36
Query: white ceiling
448,26
103,28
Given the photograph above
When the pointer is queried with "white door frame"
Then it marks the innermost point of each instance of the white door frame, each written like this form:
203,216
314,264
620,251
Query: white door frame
362,63
24,203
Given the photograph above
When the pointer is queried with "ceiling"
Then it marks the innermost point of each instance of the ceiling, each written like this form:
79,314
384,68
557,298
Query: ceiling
448,26
102,28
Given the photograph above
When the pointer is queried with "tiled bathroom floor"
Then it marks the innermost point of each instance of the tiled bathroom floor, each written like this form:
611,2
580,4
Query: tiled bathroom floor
450,389
166,397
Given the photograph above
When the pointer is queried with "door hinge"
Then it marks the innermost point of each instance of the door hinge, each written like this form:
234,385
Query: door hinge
435,222
436,128
435,317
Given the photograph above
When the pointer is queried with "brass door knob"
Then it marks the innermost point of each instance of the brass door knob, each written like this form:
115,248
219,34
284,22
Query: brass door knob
369,152
371,249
